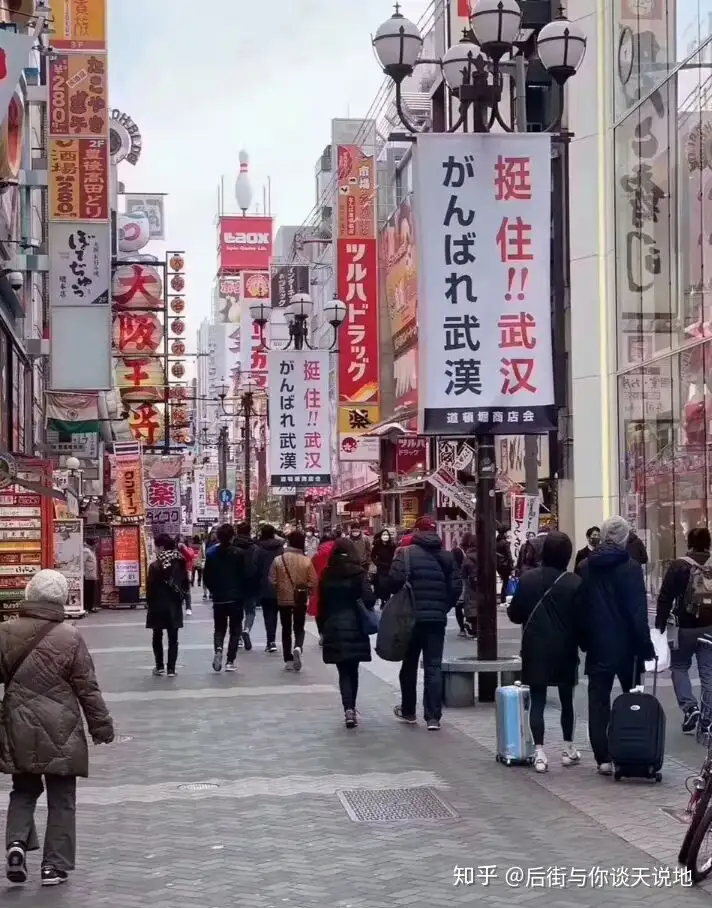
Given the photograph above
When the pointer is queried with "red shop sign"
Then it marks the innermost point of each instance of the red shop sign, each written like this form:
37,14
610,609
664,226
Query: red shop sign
359,349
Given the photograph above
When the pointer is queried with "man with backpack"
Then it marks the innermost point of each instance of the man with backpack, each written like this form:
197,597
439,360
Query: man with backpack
686,596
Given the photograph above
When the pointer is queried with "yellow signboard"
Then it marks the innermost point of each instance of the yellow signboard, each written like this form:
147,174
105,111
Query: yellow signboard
79,24
357,419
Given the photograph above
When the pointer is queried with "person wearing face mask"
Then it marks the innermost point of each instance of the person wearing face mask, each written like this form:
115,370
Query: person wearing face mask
384,548
362,544
311,543
593,540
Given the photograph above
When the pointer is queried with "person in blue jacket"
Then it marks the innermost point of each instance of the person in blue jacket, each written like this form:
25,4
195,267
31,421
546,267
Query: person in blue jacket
616,635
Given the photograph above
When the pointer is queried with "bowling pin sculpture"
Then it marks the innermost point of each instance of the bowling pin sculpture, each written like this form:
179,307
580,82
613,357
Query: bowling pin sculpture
243,187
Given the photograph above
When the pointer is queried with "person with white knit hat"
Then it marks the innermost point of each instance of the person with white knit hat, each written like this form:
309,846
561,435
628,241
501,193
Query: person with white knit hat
45,662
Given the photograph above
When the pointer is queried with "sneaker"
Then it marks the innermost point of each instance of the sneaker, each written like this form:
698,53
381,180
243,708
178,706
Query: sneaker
297,658
15,864
271,648
53,877
690,720
247,640
541,764
189,611
605,769
230,667
398,713
433,724
289,666
462,633
321,639
159,672
217,660
350,719
570,756
171,673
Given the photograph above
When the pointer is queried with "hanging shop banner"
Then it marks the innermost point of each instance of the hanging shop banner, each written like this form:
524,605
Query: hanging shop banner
163,493
398,259
15,55
69,561
359,354
207,505
127,556
411,455
253,353
483,209
287,281
129,486
446,482
79,24
298,385
109,595
359,448
245,243
153,206
79,180
80,264
524,521
357,193
164,520
229,302
77,106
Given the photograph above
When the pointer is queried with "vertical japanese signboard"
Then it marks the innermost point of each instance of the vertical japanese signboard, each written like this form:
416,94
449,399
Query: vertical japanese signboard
129,485
357,286
299,453
69,560
79,198
483,230
253,354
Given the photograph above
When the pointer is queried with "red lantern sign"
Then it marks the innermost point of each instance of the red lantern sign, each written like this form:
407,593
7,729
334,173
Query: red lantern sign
137,332
178,326
178,370
177,262
178,348
178,304
146,424
178,392
177,283
137,287
140,378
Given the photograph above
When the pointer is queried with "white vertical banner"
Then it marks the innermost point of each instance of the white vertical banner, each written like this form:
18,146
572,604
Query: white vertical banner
299,433
483,224
524,523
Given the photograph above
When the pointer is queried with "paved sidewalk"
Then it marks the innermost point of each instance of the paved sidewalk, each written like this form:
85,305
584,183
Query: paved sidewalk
233,790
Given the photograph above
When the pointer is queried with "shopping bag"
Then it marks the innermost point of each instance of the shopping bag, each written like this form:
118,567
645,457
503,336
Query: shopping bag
370,619
397,621
662,652
512,585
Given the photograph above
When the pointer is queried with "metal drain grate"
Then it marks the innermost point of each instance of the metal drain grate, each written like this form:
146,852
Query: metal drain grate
123,739
198,786
677,813
391,805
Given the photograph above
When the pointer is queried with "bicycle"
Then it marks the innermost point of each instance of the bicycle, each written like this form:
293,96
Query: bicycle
699,807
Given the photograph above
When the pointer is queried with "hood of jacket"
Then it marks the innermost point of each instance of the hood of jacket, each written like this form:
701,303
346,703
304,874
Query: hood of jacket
46,611
271,545
427,539
607,556
243,542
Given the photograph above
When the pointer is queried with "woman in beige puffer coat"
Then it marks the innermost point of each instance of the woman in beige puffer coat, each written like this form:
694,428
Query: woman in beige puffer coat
49,682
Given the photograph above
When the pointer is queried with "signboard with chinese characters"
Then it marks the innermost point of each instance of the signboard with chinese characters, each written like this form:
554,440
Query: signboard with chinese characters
524,522
411,455
483,207
79,180
398,259
206,490
163,493
69,560
77,105
78,24
129,485
127,556
80,269
153,206
299,453
359,448
287,281
253,353
164,520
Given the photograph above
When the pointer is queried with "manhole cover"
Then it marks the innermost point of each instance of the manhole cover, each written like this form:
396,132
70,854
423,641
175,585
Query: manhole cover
123,739
198,786
392,804
677,813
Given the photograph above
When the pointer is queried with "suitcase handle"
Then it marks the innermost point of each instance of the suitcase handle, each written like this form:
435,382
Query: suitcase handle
642,676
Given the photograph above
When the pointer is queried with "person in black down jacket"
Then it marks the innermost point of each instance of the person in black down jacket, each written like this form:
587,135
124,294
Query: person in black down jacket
269,546
505,562
636,549
345,645
244,541
166,584
382,554
616,636
227,578
437,585
546,603
677,597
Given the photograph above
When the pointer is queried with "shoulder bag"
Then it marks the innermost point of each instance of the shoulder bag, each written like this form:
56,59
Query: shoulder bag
300,590
534,610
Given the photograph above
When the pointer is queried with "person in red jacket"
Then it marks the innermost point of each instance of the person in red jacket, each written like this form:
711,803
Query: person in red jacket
426,524
189,556
320,562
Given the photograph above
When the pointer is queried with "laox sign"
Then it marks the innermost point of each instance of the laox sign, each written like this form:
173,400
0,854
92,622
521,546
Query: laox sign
245,243
248,239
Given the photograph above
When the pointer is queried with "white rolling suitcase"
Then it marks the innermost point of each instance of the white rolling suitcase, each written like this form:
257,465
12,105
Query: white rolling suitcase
515,745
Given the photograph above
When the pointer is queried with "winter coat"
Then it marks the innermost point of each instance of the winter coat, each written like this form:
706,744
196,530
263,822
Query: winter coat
363,548
188,555
434,577
41,726
267,551
530,554
382,555
290,570
320,561
311,546
505,562
340,588
166,584
91,567
615,612
468,570
636,549
226,575
581,556
251,551
552,629
671,598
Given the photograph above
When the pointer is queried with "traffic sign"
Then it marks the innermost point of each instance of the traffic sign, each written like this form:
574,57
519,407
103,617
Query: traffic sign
225,497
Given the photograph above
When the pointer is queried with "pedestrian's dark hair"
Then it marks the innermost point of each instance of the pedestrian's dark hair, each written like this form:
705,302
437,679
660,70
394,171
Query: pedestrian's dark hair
196,540
267,531
556,551
226,533
164,541
295,540
698,539
338,533
344,551
243,528
591,530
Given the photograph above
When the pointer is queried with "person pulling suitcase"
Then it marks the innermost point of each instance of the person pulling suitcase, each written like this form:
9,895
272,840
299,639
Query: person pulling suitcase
615,635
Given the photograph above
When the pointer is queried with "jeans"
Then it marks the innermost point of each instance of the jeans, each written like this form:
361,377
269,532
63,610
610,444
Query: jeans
60,842
90,595
600,685
536,712
227,614
680,662
428,639
269,615
172,635
196,572
460,614
503,592
292,617
250,612
348,683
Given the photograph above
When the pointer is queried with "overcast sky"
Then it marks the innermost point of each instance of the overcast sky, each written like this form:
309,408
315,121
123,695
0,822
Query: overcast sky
267,77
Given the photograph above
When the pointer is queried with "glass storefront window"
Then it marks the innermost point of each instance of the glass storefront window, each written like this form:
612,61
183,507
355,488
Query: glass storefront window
18,378
4,391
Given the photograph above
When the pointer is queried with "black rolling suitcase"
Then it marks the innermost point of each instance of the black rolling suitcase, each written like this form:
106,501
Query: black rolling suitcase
636,735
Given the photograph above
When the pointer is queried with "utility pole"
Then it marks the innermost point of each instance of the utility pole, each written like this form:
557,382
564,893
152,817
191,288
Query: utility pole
222,468
247,401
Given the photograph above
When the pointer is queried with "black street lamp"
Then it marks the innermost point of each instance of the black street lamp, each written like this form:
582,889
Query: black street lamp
297,316
245,410
473,70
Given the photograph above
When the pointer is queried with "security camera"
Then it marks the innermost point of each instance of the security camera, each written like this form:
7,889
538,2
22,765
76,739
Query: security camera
16,279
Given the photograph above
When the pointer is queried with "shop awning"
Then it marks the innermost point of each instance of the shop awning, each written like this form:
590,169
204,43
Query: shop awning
369,488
